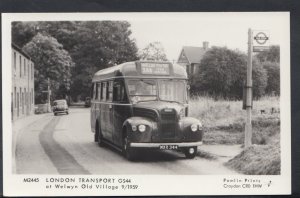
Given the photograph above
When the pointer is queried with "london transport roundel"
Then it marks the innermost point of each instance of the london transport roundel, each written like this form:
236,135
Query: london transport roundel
261,38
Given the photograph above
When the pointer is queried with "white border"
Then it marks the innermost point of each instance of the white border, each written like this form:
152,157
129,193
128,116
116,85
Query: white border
157,184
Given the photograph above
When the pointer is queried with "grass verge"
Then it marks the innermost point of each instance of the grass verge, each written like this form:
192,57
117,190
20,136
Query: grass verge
224,124
257,160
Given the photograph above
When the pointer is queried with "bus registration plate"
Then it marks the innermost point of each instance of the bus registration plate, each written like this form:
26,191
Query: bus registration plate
168,147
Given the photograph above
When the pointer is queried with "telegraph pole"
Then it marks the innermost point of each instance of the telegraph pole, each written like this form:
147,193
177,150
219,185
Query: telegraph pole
248,125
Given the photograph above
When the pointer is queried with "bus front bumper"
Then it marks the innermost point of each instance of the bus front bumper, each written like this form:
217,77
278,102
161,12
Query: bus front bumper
157,145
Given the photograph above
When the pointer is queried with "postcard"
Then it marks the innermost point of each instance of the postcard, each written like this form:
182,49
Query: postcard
112,104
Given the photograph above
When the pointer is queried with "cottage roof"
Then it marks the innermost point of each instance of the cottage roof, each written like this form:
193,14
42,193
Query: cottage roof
14,46
193,54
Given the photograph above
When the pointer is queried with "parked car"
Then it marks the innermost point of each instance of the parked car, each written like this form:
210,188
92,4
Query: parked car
60,106
87,102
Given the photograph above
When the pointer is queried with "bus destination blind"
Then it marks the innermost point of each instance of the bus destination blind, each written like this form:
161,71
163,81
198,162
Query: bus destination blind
155,68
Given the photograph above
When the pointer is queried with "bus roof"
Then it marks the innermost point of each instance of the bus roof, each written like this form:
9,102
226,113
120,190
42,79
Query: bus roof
142,69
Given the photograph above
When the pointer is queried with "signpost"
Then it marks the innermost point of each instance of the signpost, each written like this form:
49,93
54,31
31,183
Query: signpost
261,40
258,40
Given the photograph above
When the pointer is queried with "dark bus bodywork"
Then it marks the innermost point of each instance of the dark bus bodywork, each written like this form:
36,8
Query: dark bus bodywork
143,104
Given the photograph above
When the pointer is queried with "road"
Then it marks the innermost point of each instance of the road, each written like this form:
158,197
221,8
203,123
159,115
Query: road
64,145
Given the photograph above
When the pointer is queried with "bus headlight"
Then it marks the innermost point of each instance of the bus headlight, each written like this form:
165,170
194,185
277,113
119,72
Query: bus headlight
194,127
142,128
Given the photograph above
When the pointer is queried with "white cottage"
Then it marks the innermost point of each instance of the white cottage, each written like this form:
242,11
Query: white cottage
22,90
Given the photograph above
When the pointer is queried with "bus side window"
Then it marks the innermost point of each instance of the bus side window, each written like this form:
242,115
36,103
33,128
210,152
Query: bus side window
101,95
109,95
95,94
119,92
103,91
98,91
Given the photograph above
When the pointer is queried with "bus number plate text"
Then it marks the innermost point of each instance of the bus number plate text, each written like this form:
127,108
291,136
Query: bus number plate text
168,147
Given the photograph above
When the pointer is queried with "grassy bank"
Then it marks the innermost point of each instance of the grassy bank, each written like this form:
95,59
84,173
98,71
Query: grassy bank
224,120
224,124
257,160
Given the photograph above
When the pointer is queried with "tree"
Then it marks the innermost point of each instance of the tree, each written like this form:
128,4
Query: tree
63,31
271,55
23,32
153,51
51,61
273,73
259,76
101,44
93,45
270,60
222,73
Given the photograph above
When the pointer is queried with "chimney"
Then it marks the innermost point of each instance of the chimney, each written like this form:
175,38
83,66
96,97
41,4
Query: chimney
205,45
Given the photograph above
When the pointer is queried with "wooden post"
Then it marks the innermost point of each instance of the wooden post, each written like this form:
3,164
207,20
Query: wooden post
248,125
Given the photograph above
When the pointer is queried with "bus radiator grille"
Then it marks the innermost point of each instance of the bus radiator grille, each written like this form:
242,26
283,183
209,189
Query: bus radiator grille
171,117
168,123
168,130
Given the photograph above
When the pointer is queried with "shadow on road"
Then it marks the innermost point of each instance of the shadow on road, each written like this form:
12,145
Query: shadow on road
159,156
61,114
64,162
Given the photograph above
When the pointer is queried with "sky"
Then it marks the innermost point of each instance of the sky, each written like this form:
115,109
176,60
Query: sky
175,30
219,29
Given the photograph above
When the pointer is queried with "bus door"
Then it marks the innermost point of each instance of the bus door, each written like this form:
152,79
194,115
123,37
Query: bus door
122,110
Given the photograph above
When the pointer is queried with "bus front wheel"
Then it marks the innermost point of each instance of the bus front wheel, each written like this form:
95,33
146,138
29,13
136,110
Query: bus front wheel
190,152
129,153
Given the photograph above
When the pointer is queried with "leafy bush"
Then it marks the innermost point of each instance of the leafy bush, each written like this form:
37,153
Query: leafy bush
222,73
271,55
273,73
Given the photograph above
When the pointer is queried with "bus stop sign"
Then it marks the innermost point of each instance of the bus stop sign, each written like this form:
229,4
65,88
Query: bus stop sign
261,40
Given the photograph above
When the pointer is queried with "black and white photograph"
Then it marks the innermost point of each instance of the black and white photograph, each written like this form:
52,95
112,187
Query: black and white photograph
146,103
